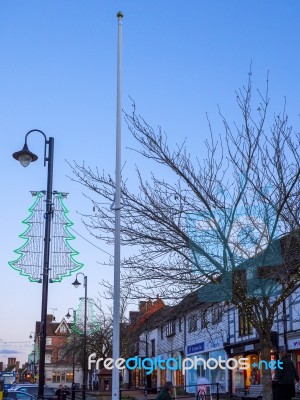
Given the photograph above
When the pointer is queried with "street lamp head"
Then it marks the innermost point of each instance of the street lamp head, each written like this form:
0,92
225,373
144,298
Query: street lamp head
30,337
25,156
68,315
76,283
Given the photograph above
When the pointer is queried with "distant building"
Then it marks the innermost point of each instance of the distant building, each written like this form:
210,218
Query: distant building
58,367
11,361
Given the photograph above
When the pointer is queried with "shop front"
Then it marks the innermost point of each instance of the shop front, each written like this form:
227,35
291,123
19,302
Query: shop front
177,375
294,348
203,353
244,378
138,378
162,374
173,372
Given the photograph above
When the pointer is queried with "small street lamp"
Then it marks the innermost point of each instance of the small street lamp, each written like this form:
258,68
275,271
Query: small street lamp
76,284
68,315
25,156
33,368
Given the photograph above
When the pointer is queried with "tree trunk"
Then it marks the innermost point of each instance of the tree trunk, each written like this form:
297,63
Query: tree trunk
266,379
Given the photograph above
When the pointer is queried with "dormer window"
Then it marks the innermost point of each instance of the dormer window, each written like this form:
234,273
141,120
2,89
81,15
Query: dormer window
170,328
62,328
216,315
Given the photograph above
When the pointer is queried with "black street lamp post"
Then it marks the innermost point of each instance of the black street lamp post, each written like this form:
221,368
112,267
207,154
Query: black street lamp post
25,156
76,284
74,350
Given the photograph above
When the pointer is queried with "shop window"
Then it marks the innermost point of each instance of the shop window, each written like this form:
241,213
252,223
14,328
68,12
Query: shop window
245,326
62,376
163,376
179,378
69,377
170,328
253,373
55,377
192,323
202,372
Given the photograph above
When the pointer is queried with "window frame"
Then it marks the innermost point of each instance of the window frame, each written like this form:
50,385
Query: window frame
192,323
245,327
171,328
216,315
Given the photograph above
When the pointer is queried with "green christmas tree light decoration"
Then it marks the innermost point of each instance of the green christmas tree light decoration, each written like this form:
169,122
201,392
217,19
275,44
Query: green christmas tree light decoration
28,263
30,255
91,319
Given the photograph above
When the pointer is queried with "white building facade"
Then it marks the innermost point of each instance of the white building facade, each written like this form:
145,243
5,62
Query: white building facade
204,331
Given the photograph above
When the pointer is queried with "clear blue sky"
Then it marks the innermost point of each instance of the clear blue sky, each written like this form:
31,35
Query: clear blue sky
58,74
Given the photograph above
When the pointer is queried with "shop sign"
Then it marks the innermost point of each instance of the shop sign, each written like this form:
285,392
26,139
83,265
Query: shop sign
293,344
195,348
5,374
214,344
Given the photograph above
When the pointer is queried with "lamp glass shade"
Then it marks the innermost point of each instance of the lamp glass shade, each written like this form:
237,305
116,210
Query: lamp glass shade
25,160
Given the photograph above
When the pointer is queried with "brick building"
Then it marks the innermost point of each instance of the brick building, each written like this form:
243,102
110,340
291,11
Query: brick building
58,366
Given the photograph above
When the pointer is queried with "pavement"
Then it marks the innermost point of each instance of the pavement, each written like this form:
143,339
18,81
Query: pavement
137,394
126,394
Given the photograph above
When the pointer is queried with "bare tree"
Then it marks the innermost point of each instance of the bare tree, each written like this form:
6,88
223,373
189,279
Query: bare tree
227,224
99,330
99,338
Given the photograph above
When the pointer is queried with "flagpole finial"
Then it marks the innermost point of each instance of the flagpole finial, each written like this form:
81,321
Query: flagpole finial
120,15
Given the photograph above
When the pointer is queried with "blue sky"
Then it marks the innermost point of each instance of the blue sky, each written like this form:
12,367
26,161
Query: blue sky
58,74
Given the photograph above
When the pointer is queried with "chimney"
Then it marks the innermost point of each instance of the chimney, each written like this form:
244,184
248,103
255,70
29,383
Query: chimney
158,301
50,318
142,306
149,304
133,317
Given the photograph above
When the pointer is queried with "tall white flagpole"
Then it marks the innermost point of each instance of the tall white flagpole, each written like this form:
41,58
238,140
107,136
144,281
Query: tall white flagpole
117,258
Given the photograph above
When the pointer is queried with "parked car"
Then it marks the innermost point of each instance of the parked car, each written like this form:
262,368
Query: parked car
18,395
32,389
16,386
49,393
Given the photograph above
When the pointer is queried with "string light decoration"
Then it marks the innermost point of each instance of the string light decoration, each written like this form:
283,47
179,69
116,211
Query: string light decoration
30,255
